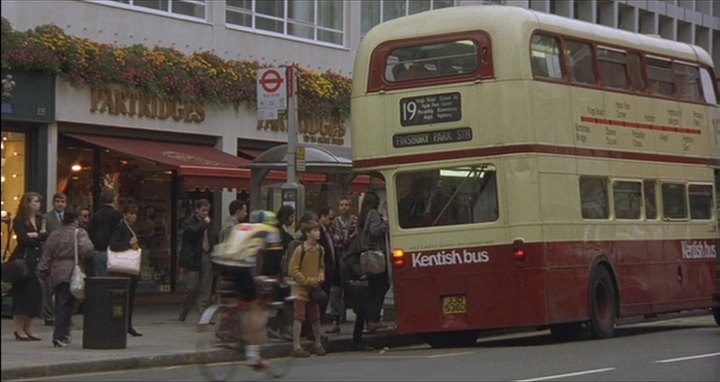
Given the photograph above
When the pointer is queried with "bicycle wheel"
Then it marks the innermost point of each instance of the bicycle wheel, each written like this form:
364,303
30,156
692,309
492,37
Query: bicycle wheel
219,344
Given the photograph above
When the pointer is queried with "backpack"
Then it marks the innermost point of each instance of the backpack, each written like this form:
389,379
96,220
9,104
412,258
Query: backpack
240,247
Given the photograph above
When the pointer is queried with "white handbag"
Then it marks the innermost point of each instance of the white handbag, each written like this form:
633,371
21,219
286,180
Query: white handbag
127,261
77,279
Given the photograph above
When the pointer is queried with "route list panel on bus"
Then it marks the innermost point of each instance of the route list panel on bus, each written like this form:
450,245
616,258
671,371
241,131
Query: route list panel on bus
430,109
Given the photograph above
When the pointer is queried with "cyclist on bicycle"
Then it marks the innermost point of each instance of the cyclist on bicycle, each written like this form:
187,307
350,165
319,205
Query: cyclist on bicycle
238,257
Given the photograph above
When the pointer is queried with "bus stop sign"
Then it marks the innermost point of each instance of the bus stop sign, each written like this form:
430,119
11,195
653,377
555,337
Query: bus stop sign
271,92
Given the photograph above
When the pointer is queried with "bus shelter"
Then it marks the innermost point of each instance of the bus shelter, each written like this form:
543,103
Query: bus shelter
328,175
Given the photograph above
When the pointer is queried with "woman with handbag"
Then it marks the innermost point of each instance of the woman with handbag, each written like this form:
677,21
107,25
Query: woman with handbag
123,238
29,228
373,232
56,267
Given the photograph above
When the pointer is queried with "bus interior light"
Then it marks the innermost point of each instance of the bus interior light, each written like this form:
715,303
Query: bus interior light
398,257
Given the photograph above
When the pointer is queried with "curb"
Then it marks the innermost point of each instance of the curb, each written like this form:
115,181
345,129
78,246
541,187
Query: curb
275,350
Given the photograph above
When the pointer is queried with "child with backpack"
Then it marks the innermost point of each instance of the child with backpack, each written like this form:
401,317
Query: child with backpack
307,268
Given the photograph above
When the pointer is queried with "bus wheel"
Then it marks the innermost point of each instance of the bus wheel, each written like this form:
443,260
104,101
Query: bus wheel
603,308
716,314
451,339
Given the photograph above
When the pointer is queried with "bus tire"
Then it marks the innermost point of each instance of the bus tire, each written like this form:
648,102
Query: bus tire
716,315
451,339
603,304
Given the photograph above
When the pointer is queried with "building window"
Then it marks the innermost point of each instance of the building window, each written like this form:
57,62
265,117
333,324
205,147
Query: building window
374,12
318,20
191,8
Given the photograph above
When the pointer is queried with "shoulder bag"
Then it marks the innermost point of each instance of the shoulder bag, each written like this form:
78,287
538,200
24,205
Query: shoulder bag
77,279
127,261
372,261
16,268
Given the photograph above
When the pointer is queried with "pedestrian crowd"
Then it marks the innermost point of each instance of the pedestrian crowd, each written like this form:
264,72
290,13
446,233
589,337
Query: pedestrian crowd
316,259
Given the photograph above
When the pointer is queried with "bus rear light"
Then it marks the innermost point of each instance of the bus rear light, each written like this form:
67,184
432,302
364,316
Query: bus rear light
398,257
519,249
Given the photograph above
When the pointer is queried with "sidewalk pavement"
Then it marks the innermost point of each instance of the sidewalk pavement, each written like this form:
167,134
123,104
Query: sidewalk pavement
165,342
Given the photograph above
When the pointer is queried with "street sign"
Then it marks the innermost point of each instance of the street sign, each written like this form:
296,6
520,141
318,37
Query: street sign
300,158
271,92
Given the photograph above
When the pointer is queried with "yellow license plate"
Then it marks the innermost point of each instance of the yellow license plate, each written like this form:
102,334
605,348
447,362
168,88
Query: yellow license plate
454,304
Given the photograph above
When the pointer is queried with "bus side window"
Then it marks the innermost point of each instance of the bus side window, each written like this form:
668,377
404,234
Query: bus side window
700,201
613,68
593,198
545,57
659,74
650,199
627,199
674,197
708,88
579,56
687,82
635,70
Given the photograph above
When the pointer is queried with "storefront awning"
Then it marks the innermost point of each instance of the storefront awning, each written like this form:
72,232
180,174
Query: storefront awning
199,166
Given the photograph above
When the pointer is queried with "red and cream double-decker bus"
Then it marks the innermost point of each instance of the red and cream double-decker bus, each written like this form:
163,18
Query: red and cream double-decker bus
540,171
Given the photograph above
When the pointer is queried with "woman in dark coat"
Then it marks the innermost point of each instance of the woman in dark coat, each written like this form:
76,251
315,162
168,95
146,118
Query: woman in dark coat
56,267
123,238
29,228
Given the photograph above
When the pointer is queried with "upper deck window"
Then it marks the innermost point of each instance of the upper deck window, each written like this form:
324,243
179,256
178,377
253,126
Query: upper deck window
579,56
613,67
545,57
660,75
432,60
687,81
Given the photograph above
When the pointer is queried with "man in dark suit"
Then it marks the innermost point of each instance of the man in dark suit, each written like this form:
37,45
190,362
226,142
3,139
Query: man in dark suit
53,221
196,244
102,225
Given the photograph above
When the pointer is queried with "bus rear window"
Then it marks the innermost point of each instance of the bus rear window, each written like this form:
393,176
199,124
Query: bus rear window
432,60
447,196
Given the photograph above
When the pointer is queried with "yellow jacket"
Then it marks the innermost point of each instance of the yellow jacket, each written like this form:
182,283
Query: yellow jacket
313,265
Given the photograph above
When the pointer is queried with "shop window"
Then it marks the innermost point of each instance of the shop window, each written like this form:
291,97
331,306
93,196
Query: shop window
14,161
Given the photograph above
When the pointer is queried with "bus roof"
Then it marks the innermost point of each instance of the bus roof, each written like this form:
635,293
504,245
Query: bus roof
510,23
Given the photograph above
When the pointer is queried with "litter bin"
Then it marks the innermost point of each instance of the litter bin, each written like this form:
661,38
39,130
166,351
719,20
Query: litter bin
105,313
